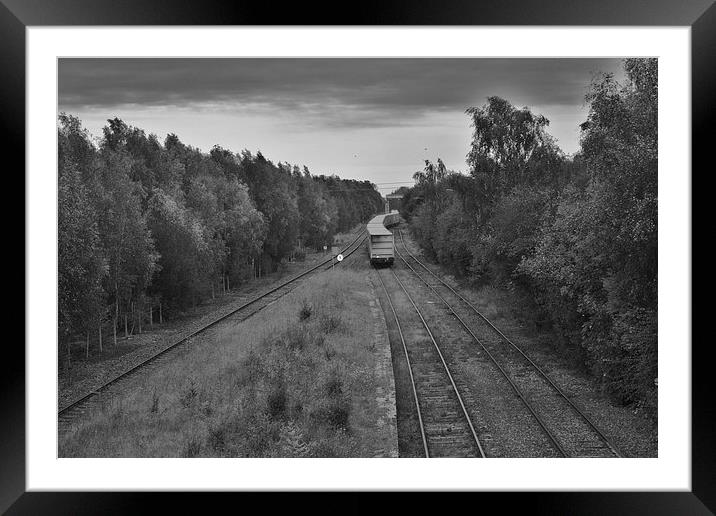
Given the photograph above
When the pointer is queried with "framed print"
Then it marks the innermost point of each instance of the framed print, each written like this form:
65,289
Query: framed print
302,251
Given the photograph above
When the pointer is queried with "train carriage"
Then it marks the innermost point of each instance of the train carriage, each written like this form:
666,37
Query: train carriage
380,239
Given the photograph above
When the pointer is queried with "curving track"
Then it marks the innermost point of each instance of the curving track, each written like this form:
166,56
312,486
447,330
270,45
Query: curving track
569,429
78,407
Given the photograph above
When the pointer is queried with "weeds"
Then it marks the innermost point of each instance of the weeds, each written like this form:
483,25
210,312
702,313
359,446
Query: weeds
296,339
370,345
207,409
192,447
329,352
334,412
276,402
116,417
217,438
297,409
188,395
281,388
260,434
334,408
155,403
331,323
251,371
324,449
305,311
292,443
334,386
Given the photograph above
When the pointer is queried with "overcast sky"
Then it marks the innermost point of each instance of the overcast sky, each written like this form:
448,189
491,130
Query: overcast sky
375,119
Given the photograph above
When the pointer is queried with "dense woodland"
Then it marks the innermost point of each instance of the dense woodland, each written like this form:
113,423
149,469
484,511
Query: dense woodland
575,235
142,222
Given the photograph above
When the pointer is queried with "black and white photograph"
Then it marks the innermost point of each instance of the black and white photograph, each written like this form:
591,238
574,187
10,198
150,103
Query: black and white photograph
305,250
298,257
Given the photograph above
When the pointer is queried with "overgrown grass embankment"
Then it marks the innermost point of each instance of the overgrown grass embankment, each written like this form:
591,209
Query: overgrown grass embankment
296,380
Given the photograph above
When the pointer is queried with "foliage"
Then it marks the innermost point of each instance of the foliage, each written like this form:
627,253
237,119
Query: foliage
142,219
319,216
185,251
274,192
510,147
599,254
515,228
578,235
126,240
452,238
81,264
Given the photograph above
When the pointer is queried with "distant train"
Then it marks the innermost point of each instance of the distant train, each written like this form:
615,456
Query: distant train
380,240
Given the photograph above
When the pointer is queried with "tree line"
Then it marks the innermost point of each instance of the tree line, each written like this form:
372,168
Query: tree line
577,235
141,221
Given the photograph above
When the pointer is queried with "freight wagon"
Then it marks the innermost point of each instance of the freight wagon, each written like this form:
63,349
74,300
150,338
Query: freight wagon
380,239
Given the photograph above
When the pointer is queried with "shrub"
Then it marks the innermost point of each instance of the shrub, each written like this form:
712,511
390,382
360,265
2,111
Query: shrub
207,409
632,379
216,439
516,225
276,401
334,386
452,239
334,409
188,396
334,412
331,323
305,312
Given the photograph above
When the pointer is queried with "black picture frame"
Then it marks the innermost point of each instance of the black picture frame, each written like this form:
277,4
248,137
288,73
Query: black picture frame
17,15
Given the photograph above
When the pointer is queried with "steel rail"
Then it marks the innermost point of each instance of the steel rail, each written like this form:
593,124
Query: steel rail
94,393
447,369
410,368
347,253
586,418
507,377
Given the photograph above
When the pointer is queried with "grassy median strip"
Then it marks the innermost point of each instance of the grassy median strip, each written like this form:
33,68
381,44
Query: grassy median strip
296,380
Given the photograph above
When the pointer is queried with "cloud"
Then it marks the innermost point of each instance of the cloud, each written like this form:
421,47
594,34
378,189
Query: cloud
324,92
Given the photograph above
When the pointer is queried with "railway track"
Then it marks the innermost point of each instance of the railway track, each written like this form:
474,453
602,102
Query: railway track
444,422
69,413
569,429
